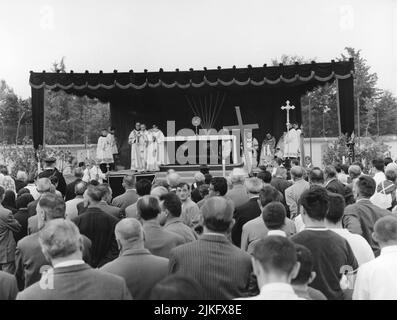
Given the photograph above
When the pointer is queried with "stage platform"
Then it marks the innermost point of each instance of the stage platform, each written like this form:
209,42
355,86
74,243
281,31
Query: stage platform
115,178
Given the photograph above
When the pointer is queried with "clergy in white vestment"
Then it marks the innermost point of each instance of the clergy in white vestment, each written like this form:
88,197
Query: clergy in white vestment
133,141
93,172
142,145
252,149
268,150
104,151
155,149
292,143
112,141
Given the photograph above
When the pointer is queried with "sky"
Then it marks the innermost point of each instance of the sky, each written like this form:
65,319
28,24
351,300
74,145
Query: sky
152,34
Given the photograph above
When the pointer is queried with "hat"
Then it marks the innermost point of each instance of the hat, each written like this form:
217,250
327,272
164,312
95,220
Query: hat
50,159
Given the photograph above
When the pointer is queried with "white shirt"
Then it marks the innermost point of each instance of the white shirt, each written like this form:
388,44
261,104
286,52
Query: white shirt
377,279
33,191
95,173
71,208
275,291
379,177
361,249
299,225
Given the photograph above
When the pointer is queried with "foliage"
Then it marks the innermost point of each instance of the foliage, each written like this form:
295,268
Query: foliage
365,152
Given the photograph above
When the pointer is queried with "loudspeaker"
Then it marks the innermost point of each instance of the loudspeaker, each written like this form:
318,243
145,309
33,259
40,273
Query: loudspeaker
116,181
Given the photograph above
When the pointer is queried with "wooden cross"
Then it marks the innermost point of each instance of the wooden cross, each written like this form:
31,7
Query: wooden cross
288,108
242,127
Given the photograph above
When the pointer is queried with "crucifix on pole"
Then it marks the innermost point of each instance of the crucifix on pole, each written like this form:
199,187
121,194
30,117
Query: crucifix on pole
287,107
242,127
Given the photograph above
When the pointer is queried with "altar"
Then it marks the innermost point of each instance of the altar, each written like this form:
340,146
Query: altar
210,147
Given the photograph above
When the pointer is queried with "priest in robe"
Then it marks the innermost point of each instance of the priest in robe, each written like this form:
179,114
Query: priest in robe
113,145
133,141
142,145
292,142
104,152
267,150
155,149
252,149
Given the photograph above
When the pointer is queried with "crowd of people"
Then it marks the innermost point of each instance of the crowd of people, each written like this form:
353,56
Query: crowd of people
297,233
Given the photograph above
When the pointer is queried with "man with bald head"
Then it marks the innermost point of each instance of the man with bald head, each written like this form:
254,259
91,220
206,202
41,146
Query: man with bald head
377,279
238,192
294,192
129,197
222,269
140,269
70,188
173,180
157,240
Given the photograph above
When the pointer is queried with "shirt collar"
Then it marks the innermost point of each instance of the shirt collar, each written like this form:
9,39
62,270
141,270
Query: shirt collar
69,263
173,220
277,286
276,233
389,249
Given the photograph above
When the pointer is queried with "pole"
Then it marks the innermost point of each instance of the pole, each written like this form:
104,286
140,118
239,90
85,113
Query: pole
310,129
358,119
338,108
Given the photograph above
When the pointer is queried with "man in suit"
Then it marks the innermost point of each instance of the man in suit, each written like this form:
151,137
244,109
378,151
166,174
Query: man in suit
171,217
98,226
70,193
332,183
256,229
140,269
8,286
294,192
157,240
223,270
238,194
71,205
43,185
50,170
21,181
71,278
30,261
361,216
106,199
8,225
129,197
143,188
248,211
280,181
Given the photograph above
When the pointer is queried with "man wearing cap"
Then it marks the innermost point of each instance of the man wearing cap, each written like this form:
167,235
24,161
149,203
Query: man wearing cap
51,170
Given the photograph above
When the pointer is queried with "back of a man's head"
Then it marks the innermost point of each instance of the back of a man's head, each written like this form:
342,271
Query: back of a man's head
330,172
94,194
385,231
148,207
379,164
297,172
158,191
316,176
173,179
129,230
172,203
143,187
238,175
365,186
60,238
128,181
354,171
253,185
217,214
269,194
22,175
177,287
78,172
274,215
336,208
391,175
275,254
199,177
265,176
53,206
80,188
305,259
315,202
43,185
219,184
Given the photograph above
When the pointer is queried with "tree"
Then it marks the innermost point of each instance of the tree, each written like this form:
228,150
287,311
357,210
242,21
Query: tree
386,114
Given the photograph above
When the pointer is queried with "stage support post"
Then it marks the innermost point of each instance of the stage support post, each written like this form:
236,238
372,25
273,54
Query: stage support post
338,107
